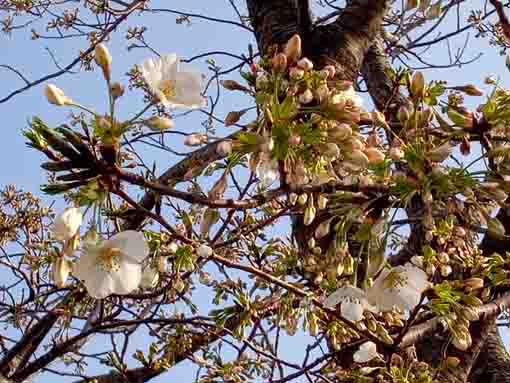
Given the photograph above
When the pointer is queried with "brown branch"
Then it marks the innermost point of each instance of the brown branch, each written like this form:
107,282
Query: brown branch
485,312
503,19
132,7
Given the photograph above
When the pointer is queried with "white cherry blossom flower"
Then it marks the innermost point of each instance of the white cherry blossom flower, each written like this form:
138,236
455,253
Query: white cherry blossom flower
367,351
348,95
113,266
353,302
173,87
67,224
204,251
399,287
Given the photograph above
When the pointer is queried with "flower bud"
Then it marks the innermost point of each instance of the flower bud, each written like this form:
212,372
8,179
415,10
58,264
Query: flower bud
309,215
323,229
374,155
279,63
356,144
495,229
302,199
162,264
305,64
322,93
340,132
440,153
194,139
434,11
232,85
117,90
418,85
56,96
331,150
103,59
173,247
150,278
296,73
306,97
60,271
293,197
331,71
470,90
295,139
224,148
233,117
293,49
359,159
322,201
204,251
159,124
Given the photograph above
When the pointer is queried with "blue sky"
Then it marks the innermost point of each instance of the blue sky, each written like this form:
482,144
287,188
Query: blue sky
21,165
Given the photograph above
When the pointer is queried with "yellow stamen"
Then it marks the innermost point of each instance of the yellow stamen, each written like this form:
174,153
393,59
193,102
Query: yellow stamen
108,258
167,87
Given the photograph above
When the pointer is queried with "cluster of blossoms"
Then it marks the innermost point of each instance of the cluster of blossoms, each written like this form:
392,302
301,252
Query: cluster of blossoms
106,267
168,82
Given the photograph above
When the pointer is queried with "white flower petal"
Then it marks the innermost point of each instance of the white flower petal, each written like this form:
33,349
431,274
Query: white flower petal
67,224
131,243
367,351
127,278
352,309
342,293
99,284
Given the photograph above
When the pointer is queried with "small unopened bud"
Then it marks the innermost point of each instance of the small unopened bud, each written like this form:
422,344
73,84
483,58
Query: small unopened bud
322,230
331,70
418,85
162,264
403,114
331,150
159,124
305,64
452,361
195,139
103,59
224,148
296,73
295,139
309,215
306,97
341,132
56,96
279,63
233,117
474,283
434,11
204,251
232,85
117,90
322,93
375,156
470,90
302,199
440,153
293,49
322,201
60,271
293,197
173,247
359,159
356,144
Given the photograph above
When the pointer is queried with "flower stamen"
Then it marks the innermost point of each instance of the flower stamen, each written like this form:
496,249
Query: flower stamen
108,259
